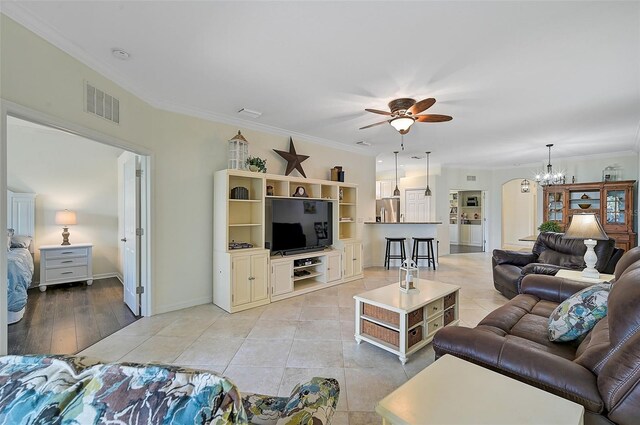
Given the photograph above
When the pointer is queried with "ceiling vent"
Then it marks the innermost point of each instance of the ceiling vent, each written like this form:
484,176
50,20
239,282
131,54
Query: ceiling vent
471,178
248,113
363,143
101,104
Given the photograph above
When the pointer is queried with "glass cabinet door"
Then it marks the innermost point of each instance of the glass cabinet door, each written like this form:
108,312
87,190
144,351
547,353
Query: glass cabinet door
555,206
616,207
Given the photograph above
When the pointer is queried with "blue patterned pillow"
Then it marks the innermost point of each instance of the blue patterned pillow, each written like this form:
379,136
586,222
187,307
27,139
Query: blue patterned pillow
579,313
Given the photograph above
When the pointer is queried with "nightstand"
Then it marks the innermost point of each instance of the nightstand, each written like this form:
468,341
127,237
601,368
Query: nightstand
65,263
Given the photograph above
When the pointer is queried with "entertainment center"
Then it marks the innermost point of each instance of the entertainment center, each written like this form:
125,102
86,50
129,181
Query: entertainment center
270,243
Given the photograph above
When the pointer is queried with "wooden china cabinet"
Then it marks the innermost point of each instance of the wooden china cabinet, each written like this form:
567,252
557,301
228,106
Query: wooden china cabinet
611,201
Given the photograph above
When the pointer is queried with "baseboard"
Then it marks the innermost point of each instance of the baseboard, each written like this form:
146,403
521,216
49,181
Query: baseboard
179,306
104,275
120,278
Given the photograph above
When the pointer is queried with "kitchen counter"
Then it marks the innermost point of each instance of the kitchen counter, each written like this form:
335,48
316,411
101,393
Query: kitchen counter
407,230
404,222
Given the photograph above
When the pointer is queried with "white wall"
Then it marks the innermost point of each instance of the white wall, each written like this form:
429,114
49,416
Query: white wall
67,172
519,218
185,152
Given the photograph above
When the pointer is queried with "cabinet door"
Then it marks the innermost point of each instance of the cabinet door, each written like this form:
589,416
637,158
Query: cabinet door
465,234
476,235
347,260
617,209
334,267
357,258
281,278
259,278
240,273
453,233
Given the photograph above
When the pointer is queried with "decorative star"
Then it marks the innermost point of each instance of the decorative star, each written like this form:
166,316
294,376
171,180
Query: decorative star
294,161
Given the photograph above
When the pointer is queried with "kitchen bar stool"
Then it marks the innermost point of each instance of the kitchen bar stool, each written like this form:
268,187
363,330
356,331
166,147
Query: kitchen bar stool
387,255
415,252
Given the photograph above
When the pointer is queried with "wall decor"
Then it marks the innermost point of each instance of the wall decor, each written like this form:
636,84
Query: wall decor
294,161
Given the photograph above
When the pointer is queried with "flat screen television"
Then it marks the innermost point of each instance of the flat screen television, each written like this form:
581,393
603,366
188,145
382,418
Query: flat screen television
296,225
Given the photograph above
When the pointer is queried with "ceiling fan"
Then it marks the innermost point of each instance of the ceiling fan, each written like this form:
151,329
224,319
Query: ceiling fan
404,112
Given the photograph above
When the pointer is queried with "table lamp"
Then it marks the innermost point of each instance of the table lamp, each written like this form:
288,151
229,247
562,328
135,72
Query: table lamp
587,227
65,218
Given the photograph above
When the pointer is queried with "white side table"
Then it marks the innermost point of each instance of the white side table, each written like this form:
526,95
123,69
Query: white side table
577,275
65,263
454,391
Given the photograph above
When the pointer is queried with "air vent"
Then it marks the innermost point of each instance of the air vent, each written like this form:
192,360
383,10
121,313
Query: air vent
471,178
363,143
101,104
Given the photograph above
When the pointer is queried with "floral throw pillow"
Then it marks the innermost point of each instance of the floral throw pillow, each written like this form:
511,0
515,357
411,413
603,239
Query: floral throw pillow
579,313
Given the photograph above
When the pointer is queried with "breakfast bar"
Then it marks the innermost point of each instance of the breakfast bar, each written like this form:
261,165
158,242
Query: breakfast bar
379,231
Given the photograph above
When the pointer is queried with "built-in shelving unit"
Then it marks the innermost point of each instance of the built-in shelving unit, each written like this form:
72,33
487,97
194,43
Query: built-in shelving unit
245,276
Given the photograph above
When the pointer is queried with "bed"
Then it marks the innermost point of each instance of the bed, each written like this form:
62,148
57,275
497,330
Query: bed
20,246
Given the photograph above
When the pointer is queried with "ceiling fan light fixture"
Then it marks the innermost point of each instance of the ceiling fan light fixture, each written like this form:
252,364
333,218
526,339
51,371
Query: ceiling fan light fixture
402,124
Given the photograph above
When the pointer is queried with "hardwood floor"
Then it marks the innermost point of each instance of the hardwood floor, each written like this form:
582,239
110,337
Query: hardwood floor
70,317
463,249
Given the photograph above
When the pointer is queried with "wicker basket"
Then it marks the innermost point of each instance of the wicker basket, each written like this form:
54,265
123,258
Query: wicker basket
387,335
381,314
449,316
449,300
415,317
414,336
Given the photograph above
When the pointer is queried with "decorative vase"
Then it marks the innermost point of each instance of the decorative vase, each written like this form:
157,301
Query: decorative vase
253,168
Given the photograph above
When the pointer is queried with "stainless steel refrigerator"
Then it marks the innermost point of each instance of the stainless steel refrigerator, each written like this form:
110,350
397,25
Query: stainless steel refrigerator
388,209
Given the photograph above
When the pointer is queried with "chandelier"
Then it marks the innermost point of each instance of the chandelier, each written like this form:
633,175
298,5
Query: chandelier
549,177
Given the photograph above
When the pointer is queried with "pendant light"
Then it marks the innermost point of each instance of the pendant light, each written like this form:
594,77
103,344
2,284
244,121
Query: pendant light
396,191
549,177
427,191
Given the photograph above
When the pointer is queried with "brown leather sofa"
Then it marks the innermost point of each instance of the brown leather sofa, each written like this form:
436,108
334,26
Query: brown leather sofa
550,253
602,372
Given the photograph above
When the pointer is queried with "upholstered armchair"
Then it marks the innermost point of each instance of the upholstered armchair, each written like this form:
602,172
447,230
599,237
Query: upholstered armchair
550,253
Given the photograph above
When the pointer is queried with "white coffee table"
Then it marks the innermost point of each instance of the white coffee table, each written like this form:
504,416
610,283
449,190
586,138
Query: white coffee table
577,275
454,391
403,323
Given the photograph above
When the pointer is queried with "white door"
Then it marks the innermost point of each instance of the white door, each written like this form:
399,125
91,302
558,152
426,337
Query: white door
240,274
347,260
281,278
334,269
259,278
416,206
131,240
357,258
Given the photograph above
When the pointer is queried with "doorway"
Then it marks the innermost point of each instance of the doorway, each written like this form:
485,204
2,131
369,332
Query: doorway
519,215
467,221
90,225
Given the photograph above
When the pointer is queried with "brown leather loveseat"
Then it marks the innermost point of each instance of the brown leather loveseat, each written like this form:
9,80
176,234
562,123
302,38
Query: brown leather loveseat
602,372
550,253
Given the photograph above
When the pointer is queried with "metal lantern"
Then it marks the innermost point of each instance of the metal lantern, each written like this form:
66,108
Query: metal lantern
409,274
238,152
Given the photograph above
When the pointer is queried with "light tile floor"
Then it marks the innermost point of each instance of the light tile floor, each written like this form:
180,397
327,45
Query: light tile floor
270,349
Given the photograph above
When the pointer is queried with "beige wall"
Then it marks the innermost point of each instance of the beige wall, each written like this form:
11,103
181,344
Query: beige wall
185,152
67,172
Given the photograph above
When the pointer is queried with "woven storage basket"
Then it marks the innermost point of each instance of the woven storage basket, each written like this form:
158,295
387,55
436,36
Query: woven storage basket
414,336
449,300
381,314
380,332
415,317
449,316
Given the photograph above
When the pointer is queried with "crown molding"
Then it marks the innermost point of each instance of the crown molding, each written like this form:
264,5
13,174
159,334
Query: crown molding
21,15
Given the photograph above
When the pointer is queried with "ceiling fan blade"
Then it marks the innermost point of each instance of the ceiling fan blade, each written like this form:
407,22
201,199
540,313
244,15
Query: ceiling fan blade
423,105
433,118
373,125
377,111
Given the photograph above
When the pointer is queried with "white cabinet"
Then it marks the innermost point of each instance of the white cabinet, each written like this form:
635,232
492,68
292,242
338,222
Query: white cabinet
281,277
476,235
465,234
65,263
454,236
352,260
334,267
249,279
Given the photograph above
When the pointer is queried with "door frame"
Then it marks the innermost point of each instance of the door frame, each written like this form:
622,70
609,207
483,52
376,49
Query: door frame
8,108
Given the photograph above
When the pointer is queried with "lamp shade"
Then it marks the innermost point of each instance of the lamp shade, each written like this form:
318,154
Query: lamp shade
585,226
66,217
402,123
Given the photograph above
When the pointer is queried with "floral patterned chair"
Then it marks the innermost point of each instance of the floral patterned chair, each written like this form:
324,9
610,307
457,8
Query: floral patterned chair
64,389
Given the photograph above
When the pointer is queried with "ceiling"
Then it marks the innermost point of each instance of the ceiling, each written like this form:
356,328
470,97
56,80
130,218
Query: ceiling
514,75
